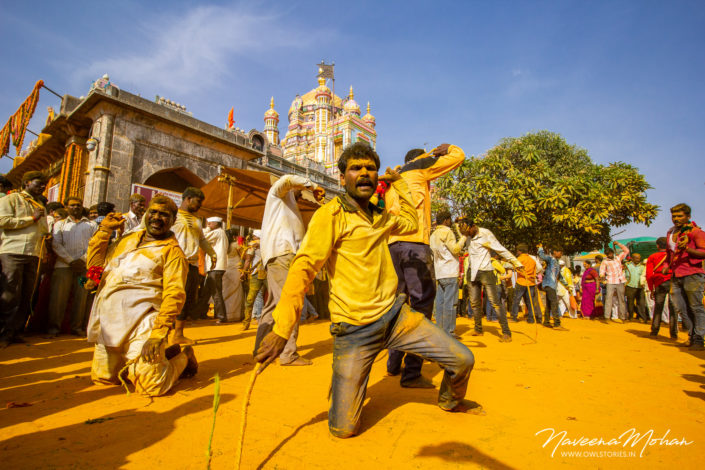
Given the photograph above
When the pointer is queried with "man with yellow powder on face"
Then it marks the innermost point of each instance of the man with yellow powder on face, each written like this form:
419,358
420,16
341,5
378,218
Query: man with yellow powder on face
349,236
139,296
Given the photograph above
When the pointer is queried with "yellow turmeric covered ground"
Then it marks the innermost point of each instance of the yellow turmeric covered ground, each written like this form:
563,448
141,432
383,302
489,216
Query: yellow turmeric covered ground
595,381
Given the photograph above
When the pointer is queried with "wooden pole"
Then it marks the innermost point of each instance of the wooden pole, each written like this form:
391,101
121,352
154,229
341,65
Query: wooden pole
230,181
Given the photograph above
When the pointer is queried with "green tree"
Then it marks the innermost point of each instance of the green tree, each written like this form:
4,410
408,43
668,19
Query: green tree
539,189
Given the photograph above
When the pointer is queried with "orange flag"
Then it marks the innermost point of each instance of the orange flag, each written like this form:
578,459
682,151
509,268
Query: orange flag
231,119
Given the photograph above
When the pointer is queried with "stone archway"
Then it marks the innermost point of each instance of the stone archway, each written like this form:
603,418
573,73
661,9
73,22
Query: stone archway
174,179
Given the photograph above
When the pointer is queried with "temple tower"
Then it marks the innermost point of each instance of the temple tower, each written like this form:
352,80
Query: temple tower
271,124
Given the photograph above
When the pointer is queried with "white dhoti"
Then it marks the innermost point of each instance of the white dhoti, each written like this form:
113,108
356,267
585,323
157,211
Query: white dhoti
233,294
151,379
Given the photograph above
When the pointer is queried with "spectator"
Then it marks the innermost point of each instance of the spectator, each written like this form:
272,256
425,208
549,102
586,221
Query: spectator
253,274
70,243
24,225
612,274
133,219
550,281
188,232
213,287
446,250
93,212
686,250
480,243
659,283
635,289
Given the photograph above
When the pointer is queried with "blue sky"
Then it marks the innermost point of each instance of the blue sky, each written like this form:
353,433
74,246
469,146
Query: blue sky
621,79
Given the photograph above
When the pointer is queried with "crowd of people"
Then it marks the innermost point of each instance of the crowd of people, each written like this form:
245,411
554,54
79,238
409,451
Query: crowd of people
374,260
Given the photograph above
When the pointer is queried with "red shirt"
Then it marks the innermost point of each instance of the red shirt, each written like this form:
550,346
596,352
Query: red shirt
682,264
654,270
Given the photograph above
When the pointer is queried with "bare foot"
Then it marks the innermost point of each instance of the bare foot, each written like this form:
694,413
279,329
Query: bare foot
181,339
300,361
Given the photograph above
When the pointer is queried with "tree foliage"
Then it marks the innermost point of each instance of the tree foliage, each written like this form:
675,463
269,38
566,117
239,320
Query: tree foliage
539,189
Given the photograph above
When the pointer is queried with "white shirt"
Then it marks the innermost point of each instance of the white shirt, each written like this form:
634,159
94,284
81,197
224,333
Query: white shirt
219,241
131,221
479,252
70,240
282,225
445,252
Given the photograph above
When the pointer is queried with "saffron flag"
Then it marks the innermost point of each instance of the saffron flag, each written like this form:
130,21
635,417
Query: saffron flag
231,118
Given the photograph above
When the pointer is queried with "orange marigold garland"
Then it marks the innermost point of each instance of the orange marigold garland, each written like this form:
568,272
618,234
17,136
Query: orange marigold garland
16,126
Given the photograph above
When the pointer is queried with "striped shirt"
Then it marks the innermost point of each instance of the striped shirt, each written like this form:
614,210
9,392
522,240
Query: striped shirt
70,241
612,270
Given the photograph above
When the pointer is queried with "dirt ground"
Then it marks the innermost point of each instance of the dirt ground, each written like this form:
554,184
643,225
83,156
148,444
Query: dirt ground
595,381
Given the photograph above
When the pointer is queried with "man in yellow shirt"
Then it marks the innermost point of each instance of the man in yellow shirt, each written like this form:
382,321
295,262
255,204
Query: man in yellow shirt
411,252
140,294
349,237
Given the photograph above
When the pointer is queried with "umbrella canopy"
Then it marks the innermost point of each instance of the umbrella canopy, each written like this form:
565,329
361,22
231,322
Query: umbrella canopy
249,194
588,256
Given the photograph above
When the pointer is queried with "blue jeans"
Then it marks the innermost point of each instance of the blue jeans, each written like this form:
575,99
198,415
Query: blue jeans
446,303
689,290
529,294
488,280
355,348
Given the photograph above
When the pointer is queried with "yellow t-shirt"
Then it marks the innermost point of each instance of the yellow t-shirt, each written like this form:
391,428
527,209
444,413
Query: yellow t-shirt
354,250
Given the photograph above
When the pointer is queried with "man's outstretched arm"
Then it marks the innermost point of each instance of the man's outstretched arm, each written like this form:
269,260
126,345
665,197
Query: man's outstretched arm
316,247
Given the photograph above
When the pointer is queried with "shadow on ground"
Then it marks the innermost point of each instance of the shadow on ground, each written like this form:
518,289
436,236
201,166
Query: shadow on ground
107,442
460,452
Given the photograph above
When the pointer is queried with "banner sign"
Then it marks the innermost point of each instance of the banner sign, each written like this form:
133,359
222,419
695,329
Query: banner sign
150,191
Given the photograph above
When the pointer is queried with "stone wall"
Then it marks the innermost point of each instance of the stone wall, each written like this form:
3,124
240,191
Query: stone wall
135,145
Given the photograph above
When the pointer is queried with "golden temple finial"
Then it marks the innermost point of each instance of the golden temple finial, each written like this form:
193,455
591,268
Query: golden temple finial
368,107
351,96
271,103
321,81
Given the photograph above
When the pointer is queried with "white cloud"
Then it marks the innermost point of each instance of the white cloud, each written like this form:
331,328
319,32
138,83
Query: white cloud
196,49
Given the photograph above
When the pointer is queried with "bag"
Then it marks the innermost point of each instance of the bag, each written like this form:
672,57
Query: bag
598,298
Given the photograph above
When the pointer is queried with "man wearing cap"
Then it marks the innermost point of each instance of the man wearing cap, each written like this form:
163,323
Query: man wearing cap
282,232
213,287
24,225
188,232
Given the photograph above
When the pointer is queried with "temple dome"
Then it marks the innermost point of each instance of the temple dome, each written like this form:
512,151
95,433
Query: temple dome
369,118
351,106
271,112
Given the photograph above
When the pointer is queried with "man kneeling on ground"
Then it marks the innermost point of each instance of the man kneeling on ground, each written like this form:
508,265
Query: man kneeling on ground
349,236
139,296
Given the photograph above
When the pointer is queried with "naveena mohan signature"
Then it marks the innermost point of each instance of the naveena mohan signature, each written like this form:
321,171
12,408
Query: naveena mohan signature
628,437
